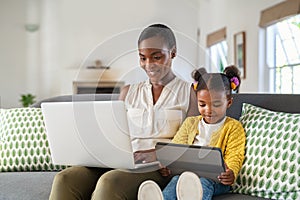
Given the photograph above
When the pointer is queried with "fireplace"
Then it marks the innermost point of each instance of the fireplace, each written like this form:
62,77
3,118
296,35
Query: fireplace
99,87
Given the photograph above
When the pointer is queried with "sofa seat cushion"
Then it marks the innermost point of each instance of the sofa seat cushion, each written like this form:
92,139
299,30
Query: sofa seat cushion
26,185
23,141
271,166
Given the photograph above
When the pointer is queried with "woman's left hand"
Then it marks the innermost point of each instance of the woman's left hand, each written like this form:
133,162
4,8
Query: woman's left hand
164,171
227,177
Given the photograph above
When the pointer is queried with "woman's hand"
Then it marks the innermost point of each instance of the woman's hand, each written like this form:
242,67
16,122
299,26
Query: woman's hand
164,171
145,156
227,177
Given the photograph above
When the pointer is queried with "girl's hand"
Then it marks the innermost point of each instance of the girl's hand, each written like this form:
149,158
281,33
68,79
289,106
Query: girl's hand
227,177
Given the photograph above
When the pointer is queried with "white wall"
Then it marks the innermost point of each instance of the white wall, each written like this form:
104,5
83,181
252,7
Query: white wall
13,48
82,31
45,62
73,34
236,16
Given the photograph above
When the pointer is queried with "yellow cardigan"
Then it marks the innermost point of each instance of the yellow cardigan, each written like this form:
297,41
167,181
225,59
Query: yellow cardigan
230,138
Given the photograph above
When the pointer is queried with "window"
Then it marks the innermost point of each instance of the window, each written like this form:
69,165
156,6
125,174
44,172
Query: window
283,55
217,50
218,56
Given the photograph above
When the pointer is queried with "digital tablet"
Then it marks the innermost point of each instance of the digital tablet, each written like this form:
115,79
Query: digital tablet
204,161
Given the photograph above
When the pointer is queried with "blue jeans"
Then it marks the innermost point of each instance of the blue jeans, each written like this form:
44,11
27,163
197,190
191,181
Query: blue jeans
210,188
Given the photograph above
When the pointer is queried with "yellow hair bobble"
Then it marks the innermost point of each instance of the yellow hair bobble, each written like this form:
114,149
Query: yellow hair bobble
233,86
195,84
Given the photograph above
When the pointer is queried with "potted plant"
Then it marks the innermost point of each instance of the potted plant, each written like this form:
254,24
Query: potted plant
27,99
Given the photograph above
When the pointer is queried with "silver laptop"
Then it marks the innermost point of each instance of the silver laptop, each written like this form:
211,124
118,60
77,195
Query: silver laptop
205,161
90,133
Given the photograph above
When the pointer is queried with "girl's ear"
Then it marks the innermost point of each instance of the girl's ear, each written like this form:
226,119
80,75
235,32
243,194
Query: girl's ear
230,101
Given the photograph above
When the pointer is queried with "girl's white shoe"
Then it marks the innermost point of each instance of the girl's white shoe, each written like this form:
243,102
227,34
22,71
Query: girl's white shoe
149,190
189,187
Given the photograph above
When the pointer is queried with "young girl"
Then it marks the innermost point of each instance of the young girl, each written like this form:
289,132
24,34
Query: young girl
211,128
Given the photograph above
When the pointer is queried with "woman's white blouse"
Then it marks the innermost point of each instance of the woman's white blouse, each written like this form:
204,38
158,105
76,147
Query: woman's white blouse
150,123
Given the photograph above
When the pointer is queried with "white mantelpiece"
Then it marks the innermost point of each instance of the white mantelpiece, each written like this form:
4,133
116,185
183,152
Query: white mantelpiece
81,87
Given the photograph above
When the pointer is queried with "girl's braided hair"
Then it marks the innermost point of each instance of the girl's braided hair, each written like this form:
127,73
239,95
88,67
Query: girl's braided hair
227,81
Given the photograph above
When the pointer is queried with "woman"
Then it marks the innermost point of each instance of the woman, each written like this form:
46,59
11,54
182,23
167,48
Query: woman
156,108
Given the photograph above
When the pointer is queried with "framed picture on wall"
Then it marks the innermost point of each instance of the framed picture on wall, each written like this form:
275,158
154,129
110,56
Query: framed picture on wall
240,52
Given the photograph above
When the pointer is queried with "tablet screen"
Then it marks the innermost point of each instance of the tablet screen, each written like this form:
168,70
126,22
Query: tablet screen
204,161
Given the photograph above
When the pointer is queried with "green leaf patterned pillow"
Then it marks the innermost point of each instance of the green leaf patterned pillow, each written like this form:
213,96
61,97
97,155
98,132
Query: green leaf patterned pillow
272,159
23,141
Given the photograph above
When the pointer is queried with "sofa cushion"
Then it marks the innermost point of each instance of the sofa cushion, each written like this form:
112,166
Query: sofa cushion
26,185
23,141
271,166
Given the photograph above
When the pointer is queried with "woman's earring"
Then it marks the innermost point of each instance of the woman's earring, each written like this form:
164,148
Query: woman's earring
173,55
